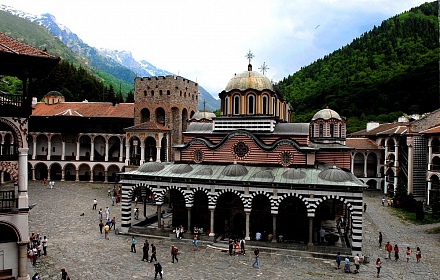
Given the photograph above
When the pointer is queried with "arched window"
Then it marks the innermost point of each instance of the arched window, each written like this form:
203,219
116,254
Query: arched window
236,105
160,92
313,130
226,107
340,130
265,110
274,106
321,130
332,130
251,104
152,93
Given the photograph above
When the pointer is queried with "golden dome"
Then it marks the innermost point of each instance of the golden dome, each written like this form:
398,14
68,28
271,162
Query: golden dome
249,80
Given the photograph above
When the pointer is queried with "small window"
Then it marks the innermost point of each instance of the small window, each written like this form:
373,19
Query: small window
53,149
160,92
168,92
42,149
321,130
145,93
152,93
332,130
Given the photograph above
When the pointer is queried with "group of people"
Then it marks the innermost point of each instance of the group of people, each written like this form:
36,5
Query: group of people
108,224
146,251
237,247
389,248
37,247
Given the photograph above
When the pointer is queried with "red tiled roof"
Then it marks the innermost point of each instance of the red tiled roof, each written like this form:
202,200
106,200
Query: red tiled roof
148,126
362,144
384,129
13,46
85,109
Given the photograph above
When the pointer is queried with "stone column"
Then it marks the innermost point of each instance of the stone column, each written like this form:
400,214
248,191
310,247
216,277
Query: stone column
310,232
142,153
106,150
92,150
23,178
105,176
189,218
429,192
63,173
49,149
365,165
48,174
2,177
158,153
127,154
91,175
212,222
121,152
34,149
248,214
274,227
77,175
410,164
63,150
33,174
22,261
159,216
77,150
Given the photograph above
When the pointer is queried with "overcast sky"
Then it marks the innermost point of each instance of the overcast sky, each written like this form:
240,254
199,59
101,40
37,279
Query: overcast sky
207,41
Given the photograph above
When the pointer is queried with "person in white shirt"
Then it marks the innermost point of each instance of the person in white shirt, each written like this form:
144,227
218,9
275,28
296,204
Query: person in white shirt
258,236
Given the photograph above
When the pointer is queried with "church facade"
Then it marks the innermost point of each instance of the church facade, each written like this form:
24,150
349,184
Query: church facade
252,170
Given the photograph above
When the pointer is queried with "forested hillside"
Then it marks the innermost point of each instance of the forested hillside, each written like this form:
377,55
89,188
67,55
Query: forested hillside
389,71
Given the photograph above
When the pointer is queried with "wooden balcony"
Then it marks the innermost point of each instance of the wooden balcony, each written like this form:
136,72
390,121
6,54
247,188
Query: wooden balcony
14,105
8,201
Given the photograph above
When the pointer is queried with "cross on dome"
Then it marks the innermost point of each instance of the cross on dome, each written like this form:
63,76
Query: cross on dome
249,56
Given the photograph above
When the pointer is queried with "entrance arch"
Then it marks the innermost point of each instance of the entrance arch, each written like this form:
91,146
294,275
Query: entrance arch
176,202
292,222
229,216
260,218
200,215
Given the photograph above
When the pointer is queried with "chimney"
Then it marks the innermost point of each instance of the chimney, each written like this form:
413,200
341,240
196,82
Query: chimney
34,101
372,125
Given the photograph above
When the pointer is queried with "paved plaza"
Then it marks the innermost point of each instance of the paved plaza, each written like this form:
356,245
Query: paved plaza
76,244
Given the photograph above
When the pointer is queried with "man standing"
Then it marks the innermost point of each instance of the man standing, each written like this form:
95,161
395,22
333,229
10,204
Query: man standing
133,245
145,250
242,246
356,263
95,202
389,248
257,258
157,270
153,253
44,245
365,207
174,252
106,230
107,213
322,234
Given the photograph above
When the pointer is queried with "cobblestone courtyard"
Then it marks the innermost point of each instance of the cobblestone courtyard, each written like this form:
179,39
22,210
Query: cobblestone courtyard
76,244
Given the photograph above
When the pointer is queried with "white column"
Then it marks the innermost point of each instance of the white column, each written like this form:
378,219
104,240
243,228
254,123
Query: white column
429,156
63,150
142,153
212,223
23,178
121,152
49,149
248,214
365,165
352,163
158,153
34,148
127,154
22,261
410,165
92,149
106,150
2,144
429,190
77,150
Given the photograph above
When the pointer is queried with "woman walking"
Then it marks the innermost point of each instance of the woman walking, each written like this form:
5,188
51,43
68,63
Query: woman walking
418,254
396,252
408,254
378,267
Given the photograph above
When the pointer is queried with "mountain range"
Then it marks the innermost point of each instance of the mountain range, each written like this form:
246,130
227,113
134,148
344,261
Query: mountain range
119,64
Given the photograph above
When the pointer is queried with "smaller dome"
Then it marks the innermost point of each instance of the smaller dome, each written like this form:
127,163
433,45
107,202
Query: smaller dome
53,93
151,166
334,174
293,174
181,168
265,175
249,80
326,114
199,115
234,170
205,171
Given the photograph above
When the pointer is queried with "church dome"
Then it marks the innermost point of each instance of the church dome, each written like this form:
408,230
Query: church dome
151,166
249,80
234,170
181,168
326,114
200,115
334,174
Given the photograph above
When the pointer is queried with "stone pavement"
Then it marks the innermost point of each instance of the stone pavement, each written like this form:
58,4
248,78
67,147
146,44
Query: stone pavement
76,244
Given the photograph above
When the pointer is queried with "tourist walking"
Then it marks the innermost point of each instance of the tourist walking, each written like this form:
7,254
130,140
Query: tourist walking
365,207
418,254
145,250
396,252
153,253
174,251
242,246
44,241
231,246
64,275
378,267
100,214
408,253
106,231
256,262
133,245
195,244
95,202
338,260
321,235
389,248
107,213
101,226
356,263
380,239
113,224
157,270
